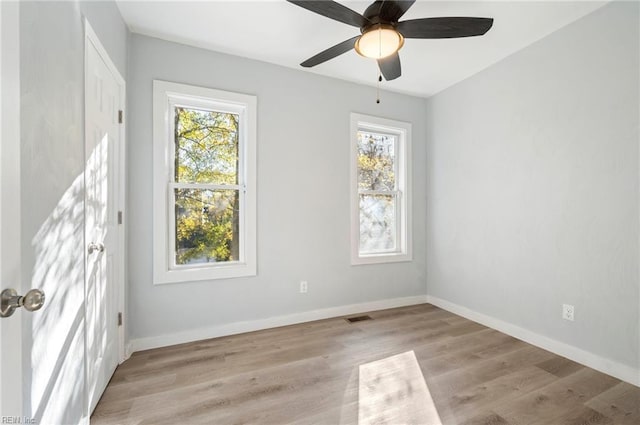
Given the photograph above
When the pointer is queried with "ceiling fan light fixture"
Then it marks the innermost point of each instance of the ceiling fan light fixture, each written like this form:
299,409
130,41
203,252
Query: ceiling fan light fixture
379,41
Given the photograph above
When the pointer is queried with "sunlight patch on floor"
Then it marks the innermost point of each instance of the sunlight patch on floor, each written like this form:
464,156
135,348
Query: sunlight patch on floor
393,391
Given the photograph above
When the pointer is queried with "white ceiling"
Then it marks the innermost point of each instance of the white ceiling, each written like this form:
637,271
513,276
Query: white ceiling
279,32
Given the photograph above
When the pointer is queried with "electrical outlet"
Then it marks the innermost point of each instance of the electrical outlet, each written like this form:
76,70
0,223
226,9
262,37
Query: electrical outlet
303,286
567,312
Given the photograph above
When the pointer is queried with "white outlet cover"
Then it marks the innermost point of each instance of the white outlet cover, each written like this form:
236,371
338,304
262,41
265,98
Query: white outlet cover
568,312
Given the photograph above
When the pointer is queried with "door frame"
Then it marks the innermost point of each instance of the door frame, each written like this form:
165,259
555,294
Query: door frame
124,351
11,376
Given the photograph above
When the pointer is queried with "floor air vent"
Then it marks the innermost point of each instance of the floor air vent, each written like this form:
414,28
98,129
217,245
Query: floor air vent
357,319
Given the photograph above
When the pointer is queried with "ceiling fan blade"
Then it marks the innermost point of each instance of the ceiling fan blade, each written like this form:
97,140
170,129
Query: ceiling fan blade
330,53
392,10
390,67
334,11
444,27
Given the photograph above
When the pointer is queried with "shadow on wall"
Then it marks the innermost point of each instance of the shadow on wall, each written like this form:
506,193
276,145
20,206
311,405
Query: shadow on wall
57,354
70,320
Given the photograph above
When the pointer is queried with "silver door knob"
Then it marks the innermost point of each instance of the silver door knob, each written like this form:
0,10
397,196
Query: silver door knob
95,247
10,301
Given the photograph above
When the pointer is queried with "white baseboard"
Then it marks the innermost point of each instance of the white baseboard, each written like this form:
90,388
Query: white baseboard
602,364
271,322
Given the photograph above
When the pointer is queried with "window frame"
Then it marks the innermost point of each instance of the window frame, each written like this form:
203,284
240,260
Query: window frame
402,149
166,96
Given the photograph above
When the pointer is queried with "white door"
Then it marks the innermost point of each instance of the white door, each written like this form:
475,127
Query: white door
10,327
102,141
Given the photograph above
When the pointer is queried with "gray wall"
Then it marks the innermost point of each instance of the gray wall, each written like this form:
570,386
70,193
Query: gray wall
303,194
533,187
52,165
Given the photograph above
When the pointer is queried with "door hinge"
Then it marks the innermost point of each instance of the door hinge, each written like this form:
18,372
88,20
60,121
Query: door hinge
120,116
119,217
119,319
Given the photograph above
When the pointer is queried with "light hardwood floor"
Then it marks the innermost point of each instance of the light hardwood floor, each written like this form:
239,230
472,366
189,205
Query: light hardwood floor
321,373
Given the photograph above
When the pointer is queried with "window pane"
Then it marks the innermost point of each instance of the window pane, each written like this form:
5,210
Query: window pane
207,226
377,223
376,158
206,146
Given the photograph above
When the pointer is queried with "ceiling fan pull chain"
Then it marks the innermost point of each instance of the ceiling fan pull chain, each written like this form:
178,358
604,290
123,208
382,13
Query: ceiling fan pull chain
378,87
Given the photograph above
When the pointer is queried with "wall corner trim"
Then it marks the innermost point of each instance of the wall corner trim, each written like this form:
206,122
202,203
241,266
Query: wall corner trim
618,370
234,328
128,351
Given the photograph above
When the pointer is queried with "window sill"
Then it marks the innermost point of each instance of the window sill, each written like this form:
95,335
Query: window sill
381,259
204,273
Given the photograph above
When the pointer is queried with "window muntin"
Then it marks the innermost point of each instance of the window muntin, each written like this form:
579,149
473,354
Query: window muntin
204,183
380,216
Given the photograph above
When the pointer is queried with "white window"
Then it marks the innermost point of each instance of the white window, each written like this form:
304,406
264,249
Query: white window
204,156
380,192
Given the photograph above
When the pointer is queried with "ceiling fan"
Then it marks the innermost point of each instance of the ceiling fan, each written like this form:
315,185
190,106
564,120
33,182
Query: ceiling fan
382,35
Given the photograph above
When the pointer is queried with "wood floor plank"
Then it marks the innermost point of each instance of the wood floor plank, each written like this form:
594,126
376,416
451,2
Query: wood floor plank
486,418
242,393
311,374
558,400
466,402
559,366
583,416
620,403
